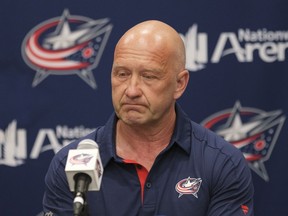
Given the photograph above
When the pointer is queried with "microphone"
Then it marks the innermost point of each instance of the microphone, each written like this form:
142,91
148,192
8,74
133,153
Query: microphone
84,172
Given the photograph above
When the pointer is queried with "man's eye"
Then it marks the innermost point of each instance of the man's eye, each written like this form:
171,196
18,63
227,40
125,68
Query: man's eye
122,74
149,76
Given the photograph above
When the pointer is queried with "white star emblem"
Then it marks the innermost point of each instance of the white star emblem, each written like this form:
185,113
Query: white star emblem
63,37
238,130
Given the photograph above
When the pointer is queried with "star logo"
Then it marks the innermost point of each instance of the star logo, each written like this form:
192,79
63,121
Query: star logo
251,130
66,45
188,186
81,159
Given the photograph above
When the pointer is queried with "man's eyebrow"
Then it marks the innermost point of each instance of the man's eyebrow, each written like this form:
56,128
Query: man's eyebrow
119,67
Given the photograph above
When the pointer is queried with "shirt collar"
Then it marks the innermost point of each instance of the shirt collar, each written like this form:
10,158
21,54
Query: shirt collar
182,131
105,136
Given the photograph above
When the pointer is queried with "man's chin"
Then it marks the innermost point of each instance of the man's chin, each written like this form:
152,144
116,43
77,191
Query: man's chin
133,120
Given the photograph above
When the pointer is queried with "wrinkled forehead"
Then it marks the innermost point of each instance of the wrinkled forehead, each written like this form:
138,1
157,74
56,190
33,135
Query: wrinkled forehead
151,34
143,39
142,51
152,38
142,44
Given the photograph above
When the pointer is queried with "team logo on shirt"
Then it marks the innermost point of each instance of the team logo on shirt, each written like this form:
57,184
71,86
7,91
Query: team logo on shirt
188,186
251,130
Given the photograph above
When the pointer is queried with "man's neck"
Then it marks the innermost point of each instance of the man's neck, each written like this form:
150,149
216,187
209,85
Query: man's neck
143,144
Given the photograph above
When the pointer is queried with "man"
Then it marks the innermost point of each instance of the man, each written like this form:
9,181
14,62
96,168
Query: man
156,160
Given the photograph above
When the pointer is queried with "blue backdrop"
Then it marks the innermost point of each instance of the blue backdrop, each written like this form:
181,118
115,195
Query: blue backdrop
55,62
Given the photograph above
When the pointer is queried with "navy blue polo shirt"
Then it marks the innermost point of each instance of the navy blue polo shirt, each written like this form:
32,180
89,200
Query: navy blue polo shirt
197,174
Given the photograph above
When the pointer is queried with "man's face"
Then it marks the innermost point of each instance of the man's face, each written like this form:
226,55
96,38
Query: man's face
143,85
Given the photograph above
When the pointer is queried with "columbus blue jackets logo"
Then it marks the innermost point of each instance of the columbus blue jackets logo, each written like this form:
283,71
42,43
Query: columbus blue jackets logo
66,45
81,159
98,168
251,130
188,186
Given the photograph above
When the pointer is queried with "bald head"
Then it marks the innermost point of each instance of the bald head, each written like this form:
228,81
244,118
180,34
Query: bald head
148,75
157,37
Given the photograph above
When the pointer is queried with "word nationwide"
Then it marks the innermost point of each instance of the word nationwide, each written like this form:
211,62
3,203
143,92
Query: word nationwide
14,148
245,44
270,46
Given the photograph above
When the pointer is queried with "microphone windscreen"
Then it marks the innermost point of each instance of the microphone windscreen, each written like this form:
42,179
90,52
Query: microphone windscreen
87,144
85,159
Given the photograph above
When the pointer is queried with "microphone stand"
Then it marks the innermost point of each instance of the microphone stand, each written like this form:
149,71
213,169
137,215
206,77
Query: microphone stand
83,181
85,210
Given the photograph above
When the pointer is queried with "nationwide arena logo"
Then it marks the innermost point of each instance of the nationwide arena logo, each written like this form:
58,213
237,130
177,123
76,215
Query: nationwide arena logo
14,142
245,45
251,130
66,45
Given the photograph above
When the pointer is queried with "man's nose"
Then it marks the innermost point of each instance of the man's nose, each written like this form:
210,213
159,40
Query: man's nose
133,87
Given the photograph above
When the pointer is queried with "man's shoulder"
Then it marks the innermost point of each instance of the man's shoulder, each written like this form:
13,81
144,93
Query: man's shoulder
214,142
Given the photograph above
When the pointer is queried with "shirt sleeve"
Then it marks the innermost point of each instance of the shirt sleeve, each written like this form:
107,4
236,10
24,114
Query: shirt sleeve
58,199
232,193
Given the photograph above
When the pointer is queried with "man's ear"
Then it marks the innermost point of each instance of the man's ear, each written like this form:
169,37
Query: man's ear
182,82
